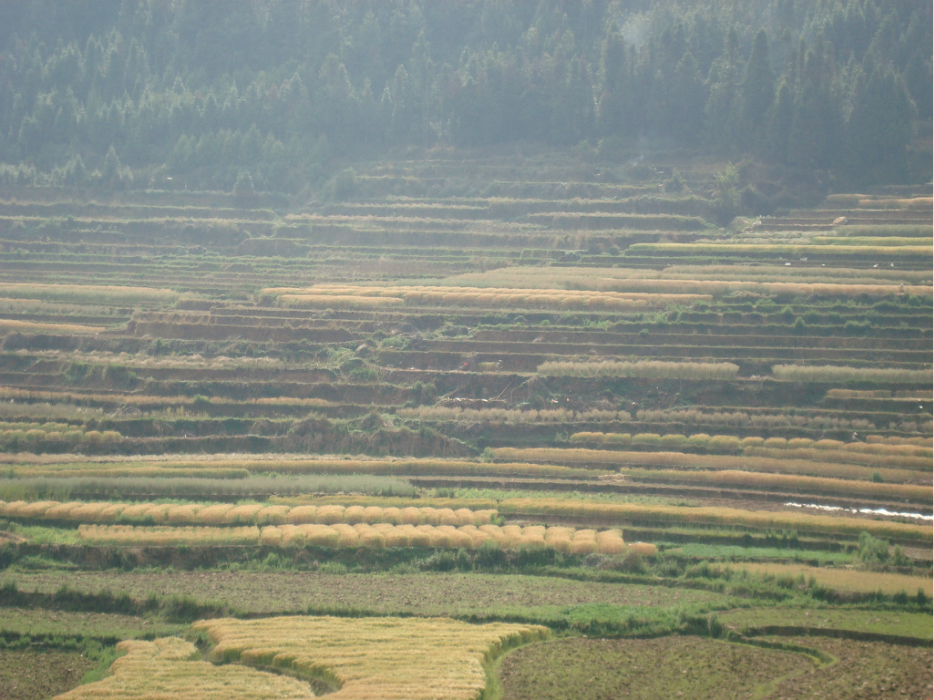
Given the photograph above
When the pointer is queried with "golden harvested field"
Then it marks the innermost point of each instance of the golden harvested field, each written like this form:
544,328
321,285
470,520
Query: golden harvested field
369,658
168,668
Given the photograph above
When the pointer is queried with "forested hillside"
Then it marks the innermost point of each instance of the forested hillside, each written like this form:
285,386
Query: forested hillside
178,93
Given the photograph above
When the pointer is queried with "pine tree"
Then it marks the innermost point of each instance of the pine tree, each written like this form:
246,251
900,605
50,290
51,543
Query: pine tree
723,85
758,89
611,113
774,144
918,78
112,175
687,100
572,117
817,127
243,188
879,128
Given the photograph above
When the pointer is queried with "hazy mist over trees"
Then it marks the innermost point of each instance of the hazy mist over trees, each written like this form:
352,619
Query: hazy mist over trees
121,93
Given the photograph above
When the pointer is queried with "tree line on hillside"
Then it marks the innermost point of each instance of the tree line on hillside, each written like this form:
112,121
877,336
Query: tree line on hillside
123,93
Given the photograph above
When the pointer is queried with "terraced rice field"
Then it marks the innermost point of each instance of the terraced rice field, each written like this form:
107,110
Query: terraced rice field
522,404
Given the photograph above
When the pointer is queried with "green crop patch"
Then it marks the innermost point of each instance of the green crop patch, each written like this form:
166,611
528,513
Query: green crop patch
816,620
644,668
38,623
456,594
40,674
877,670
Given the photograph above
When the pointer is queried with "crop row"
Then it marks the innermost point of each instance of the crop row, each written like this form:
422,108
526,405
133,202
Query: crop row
47,427
795,251
513,416
192,489
681,460
754,420
647,369
669,516
404,292
702,370
511,208
524,301
132,210
230,514
829,373
143,400
716,280
337,295
911,456
886,241
874,444
722,336
657,222
237,467
903,394
86,293
607,277
16,438
7,324
518,357
563,539
844,456
786,483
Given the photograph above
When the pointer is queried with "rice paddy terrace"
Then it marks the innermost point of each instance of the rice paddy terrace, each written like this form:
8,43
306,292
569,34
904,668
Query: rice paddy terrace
502,367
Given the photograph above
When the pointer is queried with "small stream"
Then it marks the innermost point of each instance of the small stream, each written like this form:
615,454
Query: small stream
867,511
